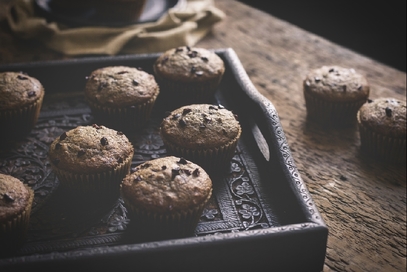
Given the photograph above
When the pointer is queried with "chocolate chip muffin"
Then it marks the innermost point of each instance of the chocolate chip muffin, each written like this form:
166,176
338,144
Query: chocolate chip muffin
21,99
91,159
165,197
188,76
334,94
382,129
202,133
16,200
121,97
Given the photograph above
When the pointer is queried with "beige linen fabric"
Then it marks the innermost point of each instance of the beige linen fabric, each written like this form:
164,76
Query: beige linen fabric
179,26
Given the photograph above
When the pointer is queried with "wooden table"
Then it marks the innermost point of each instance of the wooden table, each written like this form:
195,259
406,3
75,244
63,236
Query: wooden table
363,202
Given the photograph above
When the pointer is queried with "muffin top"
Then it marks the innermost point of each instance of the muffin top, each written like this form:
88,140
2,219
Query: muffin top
166,185
18,90
187,64
386,116
200,126
90,149
336,84
120,86
15,197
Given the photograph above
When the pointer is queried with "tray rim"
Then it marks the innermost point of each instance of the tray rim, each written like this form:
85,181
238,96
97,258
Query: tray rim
314,220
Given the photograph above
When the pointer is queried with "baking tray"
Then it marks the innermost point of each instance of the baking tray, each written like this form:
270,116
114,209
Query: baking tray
261,214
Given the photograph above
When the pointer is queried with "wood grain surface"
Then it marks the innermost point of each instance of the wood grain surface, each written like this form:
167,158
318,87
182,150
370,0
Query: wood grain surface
362,201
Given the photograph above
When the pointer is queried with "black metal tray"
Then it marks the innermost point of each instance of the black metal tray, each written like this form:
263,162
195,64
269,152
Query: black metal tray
261,214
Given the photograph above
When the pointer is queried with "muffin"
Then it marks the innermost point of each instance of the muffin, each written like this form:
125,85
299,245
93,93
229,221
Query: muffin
334,94
121,97
382,129
15,207
188,76
91,159
202,133
165,197
21,99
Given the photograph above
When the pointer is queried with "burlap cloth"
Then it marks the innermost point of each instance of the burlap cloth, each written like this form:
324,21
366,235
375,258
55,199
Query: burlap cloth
177,27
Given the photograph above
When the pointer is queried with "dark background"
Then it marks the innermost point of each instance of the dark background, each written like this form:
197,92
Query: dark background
376,29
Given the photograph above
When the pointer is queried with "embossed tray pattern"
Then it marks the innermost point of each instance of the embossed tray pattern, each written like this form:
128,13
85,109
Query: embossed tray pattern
260,206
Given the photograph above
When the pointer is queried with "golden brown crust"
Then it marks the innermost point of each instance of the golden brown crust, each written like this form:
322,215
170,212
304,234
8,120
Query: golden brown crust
200,126
385,116
336,84
167,185
90,149
120,86
15,197
19,90
185,64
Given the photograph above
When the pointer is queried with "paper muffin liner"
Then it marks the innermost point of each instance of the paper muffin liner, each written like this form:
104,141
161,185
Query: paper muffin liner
382,147
18,123
103,184
150,225
125,119
14,231
332,113
211,160
177,94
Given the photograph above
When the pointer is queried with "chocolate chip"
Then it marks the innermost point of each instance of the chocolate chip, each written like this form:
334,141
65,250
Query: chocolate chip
186,111
188,48
205,59
196,172
212,108
193,69
207,119
221,107
104,141
176,116
165,59
57,146
360,87
81,153
122,72
179,49
31,93
63,136
137,179
175,172
331,70
236,117
145,165
187,172
8,197
317,79
102,86
182,161
192,54
96,126
199,73
369,101
163,167
120,133
134,169
140,68
182,122
135,82
20,77
389,112
343,178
